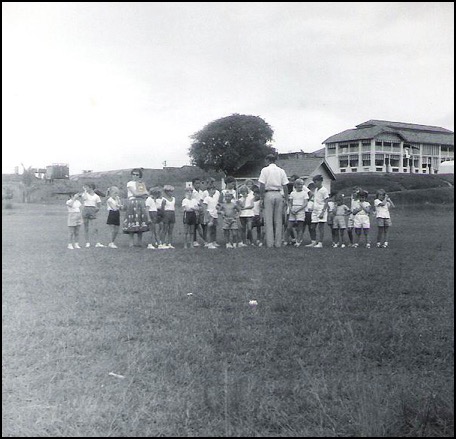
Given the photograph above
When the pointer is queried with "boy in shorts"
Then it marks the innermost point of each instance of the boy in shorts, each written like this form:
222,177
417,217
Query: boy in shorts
190,206
230,214
339,224
382,203
361,222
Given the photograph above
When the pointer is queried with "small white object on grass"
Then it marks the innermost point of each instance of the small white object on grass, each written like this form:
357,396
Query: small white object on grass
116,375
189,294
253,302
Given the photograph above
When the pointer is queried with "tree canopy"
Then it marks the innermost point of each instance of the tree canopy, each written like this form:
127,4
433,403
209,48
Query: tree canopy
228,143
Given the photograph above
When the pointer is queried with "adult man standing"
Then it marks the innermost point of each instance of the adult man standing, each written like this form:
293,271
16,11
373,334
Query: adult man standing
273,193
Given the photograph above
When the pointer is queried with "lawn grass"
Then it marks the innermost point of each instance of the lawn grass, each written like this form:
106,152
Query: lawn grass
343,342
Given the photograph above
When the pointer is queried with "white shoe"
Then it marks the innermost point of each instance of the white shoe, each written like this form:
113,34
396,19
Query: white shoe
76,245
355,245
335,245
342,246
241,244
70,247
385,244
216,244
98,244
151,247
170,246
211,246
196,244
318,245
379,244
260,244
312,244
88,245
228,245
368,245
112,245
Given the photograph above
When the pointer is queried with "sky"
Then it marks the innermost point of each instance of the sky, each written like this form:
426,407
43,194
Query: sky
105,86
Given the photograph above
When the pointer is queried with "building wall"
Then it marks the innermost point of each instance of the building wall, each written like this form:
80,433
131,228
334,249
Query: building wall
386,153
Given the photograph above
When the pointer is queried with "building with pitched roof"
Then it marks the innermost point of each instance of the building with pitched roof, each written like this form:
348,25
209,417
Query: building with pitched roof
304,165
384,146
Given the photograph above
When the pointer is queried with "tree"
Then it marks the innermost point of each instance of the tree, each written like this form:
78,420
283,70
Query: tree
228,143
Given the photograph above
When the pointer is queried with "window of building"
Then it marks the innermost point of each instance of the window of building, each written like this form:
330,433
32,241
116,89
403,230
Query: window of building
343,161
394,160
343,148
379,159
396,147
331,149
354,169
354,160
387,146
366,159
430,149
354,147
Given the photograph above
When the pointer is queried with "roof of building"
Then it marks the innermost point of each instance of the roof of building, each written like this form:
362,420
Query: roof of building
409,132
304,167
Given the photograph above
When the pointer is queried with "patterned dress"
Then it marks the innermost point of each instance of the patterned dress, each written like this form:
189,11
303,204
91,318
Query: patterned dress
137,215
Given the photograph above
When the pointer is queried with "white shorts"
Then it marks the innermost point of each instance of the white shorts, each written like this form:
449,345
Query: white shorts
300,216
361,222
315,216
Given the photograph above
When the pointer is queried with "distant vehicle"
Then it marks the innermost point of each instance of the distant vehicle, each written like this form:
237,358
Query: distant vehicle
447,167
57,171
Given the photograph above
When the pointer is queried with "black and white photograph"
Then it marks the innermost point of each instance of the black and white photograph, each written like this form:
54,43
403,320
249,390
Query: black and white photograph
227,219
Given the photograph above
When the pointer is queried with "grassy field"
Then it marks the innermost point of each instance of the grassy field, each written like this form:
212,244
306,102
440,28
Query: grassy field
132,342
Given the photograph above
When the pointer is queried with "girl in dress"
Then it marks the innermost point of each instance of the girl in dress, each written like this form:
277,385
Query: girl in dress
137,216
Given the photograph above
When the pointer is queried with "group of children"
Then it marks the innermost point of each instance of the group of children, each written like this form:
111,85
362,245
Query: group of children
334,211
239,212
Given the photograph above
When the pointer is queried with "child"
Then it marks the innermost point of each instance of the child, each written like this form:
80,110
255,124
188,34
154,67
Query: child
246,199
230,188
382,204
210,203
230,212
114,206
91,205
331,203
319,211
169,216
341,211
298,200
151,205
308,215
361,209
350,224
257,221
190,207
199,186
74,220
